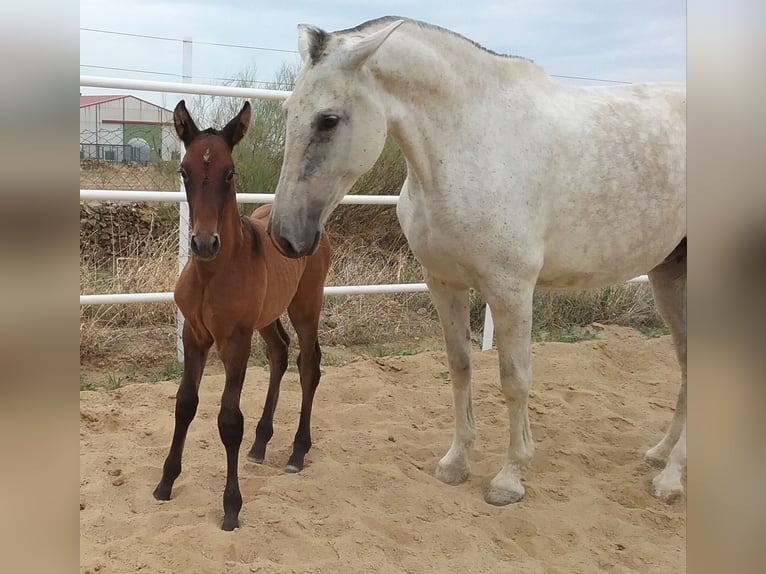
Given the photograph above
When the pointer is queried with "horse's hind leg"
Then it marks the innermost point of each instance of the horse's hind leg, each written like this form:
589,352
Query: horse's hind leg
452,305
187,399
304,314
668,281
277,342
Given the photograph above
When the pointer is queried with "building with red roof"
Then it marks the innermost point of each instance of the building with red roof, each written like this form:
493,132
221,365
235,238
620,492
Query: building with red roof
126,128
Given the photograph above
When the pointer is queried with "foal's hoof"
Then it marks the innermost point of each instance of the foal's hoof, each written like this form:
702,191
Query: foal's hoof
162,492
254,458
230,523
295,462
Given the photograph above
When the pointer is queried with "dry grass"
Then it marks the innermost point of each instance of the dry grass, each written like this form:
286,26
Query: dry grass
368,319
151,266
628,304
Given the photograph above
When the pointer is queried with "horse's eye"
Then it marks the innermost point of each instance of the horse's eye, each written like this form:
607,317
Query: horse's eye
230,176
183,173
328,122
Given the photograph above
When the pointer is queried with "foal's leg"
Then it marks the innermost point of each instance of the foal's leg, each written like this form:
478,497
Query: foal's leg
304,314
512,313
452,305
234,352
277,341
187,398
668,282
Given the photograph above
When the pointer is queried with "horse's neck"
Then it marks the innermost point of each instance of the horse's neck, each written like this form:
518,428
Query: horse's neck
444,92
232,226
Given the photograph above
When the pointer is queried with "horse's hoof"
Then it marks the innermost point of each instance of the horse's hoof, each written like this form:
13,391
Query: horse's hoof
655,461
667,493
502,496
230,524
253,458
505,488
162,493
655,457
452,475
292,469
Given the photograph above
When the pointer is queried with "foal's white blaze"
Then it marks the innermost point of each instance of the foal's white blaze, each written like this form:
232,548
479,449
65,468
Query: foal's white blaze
513,182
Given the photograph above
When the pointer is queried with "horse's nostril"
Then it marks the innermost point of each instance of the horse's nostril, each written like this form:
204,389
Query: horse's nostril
216,243
290,249
194,244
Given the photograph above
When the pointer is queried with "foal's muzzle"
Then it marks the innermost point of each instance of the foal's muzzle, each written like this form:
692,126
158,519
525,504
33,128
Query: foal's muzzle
205,245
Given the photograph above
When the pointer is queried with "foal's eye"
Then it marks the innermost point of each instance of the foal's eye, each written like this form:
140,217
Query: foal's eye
328,122
183,173
230,176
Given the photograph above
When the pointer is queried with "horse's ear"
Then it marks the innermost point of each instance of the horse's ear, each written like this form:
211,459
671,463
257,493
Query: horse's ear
311,42
185,127
359,52
236,129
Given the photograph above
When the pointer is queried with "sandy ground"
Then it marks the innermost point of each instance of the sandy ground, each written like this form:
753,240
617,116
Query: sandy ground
367,500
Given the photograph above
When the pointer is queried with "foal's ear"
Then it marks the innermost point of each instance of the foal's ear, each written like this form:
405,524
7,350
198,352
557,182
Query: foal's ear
185,127
236,129
358,53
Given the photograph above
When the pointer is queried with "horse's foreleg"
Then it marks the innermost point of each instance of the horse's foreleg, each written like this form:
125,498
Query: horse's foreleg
234,353
306,325
452,304
668,282
277,341
187,398
512,313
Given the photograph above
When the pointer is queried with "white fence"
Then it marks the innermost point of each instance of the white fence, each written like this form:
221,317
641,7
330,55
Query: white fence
180,197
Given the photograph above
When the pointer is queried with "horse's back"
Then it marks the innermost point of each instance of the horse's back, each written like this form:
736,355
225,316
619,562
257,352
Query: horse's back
261,214
320,257
616,201
292,278
592,188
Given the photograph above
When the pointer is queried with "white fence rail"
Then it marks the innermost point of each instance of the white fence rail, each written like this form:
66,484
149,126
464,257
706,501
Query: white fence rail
180,197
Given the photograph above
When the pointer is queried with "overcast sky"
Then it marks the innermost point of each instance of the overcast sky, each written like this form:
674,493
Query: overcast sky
625,40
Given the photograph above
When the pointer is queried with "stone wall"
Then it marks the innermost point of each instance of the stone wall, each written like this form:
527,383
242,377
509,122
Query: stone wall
116,229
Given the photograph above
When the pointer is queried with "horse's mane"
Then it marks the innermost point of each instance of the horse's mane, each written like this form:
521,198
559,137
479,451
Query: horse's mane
255,237
388,19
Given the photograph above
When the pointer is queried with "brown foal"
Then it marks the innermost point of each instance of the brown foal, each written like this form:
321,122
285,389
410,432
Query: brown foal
237,282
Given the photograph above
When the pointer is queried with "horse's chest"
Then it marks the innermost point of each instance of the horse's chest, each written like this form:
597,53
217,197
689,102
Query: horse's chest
228,299
437,240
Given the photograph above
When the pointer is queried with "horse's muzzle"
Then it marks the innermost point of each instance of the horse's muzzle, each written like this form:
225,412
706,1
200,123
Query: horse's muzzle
206,246
294,245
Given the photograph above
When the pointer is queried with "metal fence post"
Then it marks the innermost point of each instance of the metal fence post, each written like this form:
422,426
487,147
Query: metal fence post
183,209
489,330
183,257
